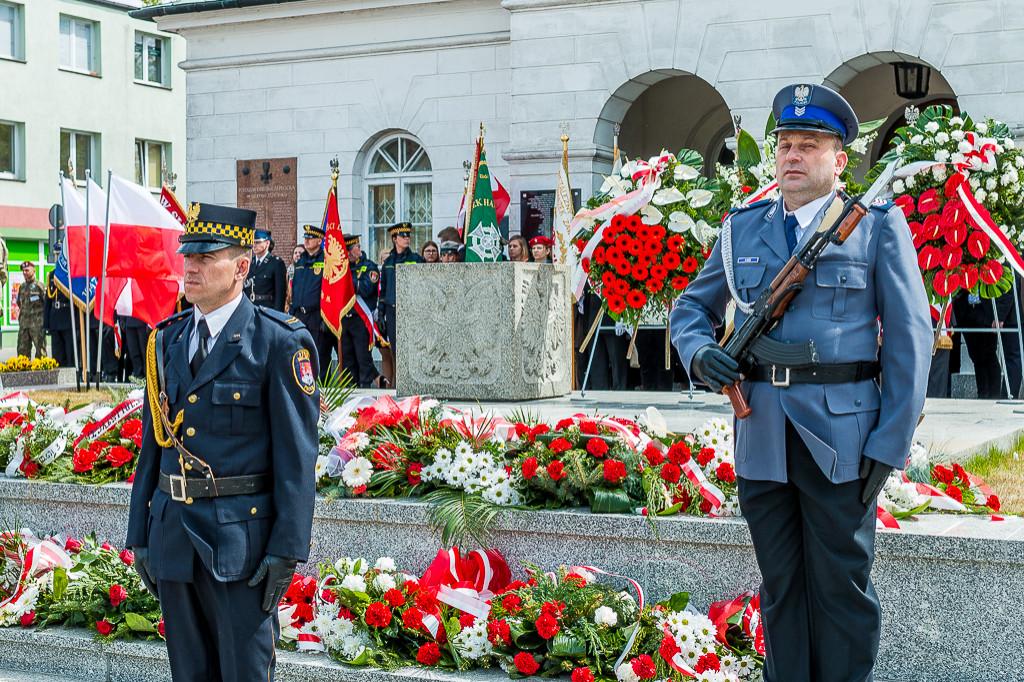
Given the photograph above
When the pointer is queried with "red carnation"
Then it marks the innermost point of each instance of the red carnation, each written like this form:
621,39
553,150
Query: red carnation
556,470
588,427
547,626
705,455
643,666
512,603
127,557
597,447
104,627
394,598
707,662
705,506
525,663
466,620
668,647
942,474
670,473
529,467
538,430
117,595
993,503
560,445
553,608
563,425
955,492
118,456
679,453
131,428
725,472
83,460
426,602
653,455
614,470
28,619
582,675
72,546
412,618
522,430
498,633
29,468
412,474
160,628
636,299
378,615
429,654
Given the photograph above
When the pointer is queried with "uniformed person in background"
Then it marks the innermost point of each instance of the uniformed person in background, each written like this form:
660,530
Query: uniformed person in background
450,252
222,503
401,238
822,438
31,301
268,278
355,337
306,283
57,320
134,334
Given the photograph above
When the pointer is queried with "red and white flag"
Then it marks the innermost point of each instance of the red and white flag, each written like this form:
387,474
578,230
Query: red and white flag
501,202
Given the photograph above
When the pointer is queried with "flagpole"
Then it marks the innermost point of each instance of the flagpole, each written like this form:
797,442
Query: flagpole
64,247
572,308
103,273
88,297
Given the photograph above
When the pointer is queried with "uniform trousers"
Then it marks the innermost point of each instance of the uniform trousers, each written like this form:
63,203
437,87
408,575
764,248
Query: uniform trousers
391,329
355,351
29,336
135,340
323,339
216,631
815,544
62,344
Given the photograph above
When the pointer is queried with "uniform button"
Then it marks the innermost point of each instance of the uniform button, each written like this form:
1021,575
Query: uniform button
843,278
238,396
192,398
791,307
253,510
857,402
188,500
190,431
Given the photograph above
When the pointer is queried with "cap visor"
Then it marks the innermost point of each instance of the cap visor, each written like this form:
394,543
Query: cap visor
201,247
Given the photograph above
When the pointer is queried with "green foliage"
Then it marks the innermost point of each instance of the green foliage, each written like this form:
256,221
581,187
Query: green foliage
461,516
748,153
336,388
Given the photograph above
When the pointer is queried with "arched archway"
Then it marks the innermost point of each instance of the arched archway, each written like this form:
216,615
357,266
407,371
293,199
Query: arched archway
667,109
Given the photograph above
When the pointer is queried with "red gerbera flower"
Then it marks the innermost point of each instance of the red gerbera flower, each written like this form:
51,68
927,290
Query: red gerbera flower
690,264
670,260
636,299
653,286
679,283
675,243
659,271
616,303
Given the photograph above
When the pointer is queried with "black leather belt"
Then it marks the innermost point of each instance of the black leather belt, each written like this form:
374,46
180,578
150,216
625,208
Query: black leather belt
306,310
843,373
182,489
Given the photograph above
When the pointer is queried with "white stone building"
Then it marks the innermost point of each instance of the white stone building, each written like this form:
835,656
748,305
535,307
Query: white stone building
81,79
319,78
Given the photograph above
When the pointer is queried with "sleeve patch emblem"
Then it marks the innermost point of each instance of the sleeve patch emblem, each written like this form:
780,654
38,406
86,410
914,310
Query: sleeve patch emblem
303,369
374,276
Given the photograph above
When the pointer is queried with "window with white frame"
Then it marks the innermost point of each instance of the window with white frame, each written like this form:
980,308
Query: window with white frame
151,59
79,149
399,188
79,45
149,163
10,31
10,151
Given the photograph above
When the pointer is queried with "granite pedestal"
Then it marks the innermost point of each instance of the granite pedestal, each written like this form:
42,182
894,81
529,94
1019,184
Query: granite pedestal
484,331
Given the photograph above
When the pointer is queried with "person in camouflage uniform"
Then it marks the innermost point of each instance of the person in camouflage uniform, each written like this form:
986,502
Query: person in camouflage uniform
31,298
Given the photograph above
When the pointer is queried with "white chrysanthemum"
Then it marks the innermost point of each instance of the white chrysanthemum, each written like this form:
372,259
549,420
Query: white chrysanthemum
463,449
384,582
472,642
931,127
443,456
484,460
957,135
625,673
941,138
964,147
982,128
899,187
322,623
354,583
499,494
385,563
357,472
917,139
605,616
745,667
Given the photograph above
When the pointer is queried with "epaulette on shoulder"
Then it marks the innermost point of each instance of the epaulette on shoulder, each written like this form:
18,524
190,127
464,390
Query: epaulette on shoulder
882,204
746,207
283,319
174,318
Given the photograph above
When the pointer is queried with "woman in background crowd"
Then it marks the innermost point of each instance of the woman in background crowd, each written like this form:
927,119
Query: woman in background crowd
540,249
450,252
296,252
518,249
429,252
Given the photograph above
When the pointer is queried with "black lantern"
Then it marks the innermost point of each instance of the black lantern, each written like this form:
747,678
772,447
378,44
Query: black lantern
912,79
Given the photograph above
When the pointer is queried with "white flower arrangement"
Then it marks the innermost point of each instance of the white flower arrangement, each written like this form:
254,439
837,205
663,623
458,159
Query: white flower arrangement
472,642
604,615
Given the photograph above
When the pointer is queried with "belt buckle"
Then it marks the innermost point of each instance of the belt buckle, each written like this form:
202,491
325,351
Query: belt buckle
784,383
180,480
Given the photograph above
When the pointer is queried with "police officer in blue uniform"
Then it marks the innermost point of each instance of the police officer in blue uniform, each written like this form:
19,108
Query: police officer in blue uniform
401,237
822,439
222,503
355,337
306,283
268,280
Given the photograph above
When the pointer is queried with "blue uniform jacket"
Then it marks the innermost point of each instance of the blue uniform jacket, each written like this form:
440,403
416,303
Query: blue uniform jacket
309,274
366,280
250,410
387,274
872,276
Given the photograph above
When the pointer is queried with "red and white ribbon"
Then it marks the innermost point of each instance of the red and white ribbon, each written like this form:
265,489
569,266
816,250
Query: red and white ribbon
41,556
939,499
884,519
621,430
983,221
640,606
98,428
771,187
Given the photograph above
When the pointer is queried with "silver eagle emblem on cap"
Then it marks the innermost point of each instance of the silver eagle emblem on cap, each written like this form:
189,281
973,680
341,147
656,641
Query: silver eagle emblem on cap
801,97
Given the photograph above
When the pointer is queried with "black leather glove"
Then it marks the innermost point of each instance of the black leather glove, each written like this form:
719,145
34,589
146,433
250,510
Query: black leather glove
278,572
874,475
714,367
142,568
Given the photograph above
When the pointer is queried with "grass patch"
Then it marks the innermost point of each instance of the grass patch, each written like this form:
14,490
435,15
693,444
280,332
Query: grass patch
1003,470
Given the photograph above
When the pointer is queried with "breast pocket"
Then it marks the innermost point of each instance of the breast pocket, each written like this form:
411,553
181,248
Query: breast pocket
838,284
749,279
236,403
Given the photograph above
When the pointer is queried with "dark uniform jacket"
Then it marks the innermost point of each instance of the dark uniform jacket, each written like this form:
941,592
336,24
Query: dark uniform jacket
387,274
252,409
268,282
57,311
309,273
365,279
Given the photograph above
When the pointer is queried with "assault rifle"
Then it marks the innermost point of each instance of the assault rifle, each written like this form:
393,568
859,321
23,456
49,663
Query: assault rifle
751,338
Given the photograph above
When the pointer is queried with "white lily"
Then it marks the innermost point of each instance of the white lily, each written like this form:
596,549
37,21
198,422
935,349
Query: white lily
684,172
612,186
651,215
699,197
703,232
678,221
669,195
628,169
655,422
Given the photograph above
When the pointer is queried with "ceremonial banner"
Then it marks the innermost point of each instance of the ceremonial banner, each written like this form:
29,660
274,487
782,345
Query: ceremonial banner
78,289
337,292
483,241
563,251
173,206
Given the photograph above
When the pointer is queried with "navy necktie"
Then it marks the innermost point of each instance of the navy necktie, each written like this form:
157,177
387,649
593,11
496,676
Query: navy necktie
791,224
201,350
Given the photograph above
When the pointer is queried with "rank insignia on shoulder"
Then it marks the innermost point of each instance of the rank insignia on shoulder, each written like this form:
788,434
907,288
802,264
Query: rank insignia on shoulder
302,367
291,320
374,276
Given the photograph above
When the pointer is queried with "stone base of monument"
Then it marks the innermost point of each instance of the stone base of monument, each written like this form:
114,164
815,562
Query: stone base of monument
484,331
949,585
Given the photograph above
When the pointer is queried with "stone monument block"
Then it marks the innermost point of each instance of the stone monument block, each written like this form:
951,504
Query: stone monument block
484,331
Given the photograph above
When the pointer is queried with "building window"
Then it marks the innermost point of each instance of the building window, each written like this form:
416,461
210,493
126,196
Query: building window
149,163
398,189
10,151
79,45
79,149
10,31
150,59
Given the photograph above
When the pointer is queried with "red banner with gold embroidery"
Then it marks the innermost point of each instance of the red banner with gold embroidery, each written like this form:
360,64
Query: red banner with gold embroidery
337,291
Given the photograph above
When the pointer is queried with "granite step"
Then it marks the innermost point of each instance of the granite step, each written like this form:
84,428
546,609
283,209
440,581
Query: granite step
22,676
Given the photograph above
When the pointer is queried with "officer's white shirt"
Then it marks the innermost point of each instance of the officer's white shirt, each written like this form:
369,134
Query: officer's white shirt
215,320
805,214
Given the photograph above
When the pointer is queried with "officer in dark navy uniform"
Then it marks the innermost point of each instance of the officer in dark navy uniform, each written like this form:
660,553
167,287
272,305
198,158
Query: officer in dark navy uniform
825,434
309,275
57,321
222,503
355,337
268,279
401,236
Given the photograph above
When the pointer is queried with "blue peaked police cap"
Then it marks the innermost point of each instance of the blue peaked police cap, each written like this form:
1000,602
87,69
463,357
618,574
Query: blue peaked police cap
803,106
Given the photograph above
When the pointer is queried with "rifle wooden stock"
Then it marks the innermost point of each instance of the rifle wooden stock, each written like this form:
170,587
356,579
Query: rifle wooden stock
738,400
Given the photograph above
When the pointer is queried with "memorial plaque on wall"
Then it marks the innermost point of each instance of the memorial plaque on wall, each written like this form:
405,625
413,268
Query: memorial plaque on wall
268,186
537,211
